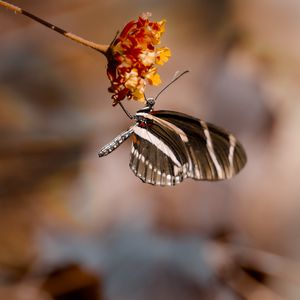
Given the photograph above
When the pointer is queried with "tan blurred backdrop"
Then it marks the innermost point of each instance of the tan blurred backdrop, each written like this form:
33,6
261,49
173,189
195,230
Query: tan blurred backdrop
61,204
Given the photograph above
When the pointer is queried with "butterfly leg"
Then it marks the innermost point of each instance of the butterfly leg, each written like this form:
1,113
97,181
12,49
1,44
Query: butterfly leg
115,143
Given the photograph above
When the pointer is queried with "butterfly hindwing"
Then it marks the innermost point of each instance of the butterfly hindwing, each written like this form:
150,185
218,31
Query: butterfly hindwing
154,160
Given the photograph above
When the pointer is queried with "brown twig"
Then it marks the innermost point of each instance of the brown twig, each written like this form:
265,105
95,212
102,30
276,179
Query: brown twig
100,48
230,262
264,262
249,288
267,263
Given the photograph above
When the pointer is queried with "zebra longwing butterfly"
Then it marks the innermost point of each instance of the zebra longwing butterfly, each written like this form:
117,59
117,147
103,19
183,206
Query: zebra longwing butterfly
170,146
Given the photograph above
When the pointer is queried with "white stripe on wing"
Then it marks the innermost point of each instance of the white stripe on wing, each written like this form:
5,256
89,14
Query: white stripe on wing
232,141
211,150
159,144
167,124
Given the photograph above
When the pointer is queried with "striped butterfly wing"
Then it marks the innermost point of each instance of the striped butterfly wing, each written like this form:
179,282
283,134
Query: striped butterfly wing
154,160
213,153
203,151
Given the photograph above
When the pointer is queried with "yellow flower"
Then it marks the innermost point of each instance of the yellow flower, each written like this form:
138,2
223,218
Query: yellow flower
162,55
153,77
132,59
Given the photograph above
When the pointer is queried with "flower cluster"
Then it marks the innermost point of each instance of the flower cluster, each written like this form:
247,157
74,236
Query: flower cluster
133,58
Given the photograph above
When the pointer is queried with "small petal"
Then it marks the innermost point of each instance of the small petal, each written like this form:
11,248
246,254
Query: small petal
139,96
131,80
162,55
146,15
154,78
148,58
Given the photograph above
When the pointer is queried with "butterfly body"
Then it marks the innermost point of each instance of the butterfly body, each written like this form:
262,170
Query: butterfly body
170,146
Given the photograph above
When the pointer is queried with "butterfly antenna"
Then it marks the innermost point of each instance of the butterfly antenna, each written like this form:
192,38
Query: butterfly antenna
74,37
172,81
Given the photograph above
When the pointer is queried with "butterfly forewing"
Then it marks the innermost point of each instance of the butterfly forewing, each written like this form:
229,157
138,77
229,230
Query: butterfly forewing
214,154
228,149
173,146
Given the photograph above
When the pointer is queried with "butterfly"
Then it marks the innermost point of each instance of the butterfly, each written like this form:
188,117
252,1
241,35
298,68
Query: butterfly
169,146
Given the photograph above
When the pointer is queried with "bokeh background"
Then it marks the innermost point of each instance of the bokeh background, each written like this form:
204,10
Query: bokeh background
73,226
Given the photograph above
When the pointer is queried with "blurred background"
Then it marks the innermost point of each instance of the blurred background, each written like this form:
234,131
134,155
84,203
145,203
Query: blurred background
73,226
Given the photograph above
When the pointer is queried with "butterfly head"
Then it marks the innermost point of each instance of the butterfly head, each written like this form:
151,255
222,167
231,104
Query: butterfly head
150,102
140,117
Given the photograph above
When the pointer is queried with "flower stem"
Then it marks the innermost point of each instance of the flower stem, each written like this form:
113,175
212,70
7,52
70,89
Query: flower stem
101,48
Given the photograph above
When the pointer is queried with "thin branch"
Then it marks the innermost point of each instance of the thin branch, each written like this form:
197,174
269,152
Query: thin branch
100,48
